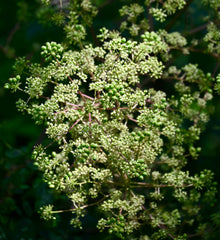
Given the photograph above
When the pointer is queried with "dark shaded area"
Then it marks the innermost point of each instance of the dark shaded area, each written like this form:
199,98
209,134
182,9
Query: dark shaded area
22,191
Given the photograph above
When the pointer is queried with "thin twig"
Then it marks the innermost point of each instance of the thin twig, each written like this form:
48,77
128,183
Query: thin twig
215,69
161,226
12,32
150,19
198,29
77,121
81,207
86,96
105,4
150,185
178,15
90,121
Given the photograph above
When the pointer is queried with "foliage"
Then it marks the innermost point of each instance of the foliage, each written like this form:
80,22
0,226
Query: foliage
117,141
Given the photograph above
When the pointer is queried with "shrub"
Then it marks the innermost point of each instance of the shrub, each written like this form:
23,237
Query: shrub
124,113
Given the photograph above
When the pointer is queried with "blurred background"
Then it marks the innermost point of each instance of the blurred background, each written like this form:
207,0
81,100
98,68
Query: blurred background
22,191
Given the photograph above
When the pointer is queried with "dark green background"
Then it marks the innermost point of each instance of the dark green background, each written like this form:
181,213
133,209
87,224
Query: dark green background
22,191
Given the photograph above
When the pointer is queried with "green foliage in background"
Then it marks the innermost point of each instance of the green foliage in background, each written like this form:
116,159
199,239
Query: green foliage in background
123,101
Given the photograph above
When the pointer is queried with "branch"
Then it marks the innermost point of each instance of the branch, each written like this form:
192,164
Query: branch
178,15
215,69
77,121
149,185
86,96
150,19
105,4
90,121
12,32
81,207
161,226
198,29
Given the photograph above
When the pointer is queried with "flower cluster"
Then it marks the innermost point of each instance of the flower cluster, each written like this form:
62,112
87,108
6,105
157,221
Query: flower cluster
114,136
